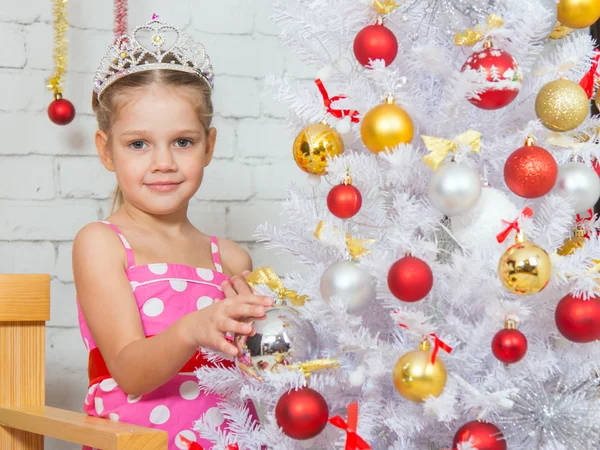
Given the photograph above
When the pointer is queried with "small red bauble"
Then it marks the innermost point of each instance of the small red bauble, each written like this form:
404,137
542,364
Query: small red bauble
530,171
344,201
509,346
302,414
577,319
481,435
410,279
375,42
61,111
503,77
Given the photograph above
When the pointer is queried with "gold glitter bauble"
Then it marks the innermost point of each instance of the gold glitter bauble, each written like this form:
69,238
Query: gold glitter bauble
525,268
314,144
386,126
562,105
560,31
578,13
597,99
416,378
575,242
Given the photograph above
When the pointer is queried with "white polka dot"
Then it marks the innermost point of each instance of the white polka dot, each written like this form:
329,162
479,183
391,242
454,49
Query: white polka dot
124,241
158,269
133,398
92,389
205,274
189,390
203,302
108,385
87,344
114,417
214,417
153,307
99,404
188,434
159,415
134,285
214,247
218,267
178,285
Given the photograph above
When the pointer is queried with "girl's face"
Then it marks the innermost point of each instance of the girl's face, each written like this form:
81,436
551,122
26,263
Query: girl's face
158,148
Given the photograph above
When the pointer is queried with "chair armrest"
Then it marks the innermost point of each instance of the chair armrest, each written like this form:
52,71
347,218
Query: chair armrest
82,429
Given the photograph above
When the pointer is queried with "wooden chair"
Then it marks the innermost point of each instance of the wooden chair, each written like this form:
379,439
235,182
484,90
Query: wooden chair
24,417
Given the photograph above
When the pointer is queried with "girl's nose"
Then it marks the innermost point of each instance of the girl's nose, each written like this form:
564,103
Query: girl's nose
163,160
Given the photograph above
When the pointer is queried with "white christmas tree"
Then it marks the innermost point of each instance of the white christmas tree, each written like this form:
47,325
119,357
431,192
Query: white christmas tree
492,333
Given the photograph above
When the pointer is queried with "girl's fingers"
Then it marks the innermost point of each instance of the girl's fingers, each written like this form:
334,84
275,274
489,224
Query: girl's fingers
241,286
228,289
228,348
233,326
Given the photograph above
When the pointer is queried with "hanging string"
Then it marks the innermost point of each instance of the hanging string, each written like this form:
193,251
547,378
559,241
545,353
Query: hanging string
121,18
59,54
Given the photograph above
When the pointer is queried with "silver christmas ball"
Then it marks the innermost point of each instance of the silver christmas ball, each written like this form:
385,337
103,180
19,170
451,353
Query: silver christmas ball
350,282
580,184
454,189
283,338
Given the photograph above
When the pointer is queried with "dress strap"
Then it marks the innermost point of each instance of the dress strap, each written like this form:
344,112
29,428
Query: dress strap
128,249
214,246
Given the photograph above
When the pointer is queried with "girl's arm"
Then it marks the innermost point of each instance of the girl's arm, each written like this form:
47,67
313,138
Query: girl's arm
139,364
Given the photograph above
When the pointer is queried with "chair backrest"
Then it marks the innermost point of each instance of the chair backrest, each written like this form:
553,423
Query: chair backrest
24,310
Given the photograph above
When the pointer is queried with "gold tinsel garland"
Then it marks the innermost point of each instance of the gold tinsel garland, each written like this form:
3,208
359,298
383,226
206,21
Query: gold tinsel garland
59,54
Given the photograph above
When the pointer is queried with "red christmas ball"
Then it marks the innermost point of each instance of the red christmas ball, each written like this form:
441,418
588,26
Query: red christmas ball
481,435
577,319
344,201
61,111
302,414
410,279
375,42
530,171
503,77
509,346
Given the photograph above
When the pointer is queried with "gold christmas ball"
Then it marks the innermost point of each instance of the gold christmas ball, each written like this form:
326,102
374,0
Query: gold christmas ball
578,13
525,268
386,126
572,244
562,105
314,144
597,99
416,378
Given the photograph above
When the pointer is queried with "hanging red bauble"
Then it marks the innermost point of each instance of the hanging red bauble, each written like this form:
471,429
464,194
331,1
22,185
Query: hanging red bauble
61,111
502,74
509,345
302,414
530,171
375,42
410,279
344,200
481,435
577,319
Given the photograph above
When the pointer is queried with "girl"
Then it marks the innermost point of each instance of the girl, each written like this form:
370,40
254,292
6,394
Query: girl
148,282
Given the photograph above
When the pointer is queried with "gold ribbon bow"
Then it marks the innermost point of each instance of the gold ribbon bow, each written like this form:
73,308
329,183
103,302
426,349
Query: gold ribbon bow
384,7
472,36
266,276
356,247
440,147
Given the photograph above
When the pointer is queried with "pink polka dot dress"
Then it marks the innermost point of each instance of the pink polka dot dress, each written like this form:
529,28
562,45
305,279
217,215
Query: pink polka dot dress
164,293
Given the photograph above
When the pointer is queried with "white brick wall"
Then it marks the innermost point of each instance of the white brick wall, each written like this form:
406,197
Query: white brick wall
52,183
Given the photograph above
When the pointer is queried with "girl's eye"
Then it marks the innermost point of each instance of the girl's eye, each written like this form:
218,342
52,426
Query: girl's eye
138,145
183,143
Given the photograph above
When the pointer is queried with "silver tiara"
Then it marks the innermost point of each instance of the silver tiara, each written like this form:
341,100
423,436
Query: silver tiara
146,48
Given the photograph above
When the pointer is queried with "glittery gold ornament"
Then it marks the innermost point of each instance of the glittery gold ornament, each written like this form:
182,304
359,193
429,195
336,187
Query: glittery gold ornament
578,13
416,377
386,126
314,144
562,105
560,31
524,268
597,100
572,244
384,7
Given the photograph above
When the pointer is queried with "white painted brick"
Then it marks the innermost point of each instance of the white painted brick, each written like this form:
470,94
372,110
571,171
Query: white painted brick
28,90
97,15
298,69
244,218
271,107
25,11
58,220
176,13
26,257
63,305
229,17
236,97
30,177
272,180
281,262
13,45
63,267
264,138
208,217
263,9
226,137
225,180
85,177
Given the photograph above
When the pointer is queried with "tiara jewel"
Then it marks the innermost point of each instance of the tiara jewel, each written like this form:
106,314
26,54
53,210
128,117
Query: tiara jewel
154,45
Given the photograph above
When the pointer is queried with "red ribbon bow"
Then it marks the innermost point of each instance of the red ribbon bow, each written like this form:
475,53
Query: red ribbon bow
514,225
580,219
338,113
588,80
191,445
353,440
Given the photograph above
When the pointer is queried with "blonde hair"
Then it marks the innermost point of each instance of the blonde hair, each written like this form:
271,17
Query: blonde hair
106,108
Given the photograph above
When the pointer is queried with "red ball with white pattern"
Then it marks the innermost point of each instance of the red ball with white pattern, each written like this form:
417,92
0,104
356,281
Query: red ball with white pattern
502,74
480,435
